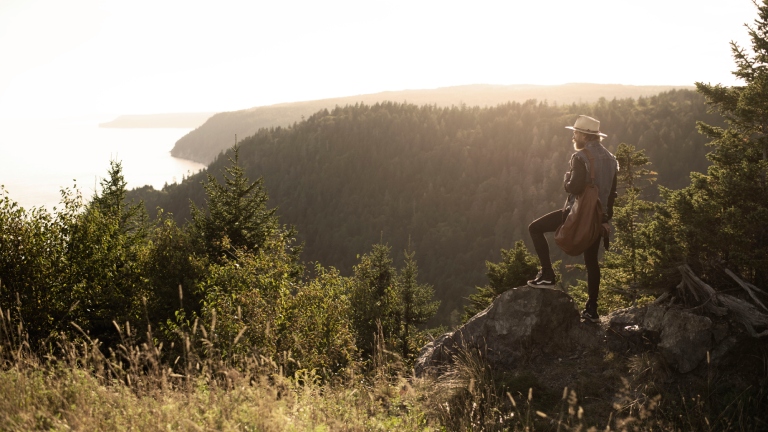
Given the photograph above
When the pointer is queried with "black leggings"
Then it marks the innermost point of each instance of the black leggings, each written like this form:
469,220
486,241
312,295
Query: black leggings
549,223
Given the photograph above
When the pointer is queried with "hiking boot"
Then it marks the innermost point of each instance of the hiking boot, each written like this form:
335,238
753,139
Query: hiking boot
590,314
543,280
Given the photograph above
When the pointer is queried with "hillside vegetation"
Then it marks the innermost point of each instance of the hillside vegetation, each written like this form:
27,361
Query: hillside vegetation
458,183
217,134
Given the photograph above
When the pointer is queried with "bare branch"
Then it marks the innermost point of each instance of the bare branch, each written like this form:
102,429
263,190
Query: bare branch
747,287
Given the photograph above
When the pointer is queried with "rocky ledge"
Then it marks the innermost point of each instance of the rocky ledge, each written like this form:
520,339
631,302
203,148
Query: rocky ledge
528,327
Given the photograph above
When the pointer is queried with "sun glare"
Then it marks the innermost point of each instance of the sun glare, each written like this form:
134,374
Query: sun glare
94,56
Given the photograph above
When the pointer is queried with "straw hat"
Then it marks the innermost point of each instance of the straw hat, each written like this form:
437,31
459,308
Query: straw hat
587,125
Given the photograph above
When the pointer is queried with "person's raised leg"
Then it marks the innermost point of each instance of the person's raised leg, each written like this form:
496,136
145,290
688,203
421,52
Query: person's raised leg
547,223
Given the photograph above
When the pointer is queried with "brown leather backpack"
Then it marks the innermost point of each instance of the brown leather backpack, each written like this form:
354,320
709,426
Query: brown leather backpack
584,224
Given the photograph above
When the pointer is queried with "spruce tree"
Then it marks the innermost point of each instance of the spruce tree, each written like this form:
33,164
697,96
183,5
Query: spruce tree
372,297
625,264
516,267
106,246
237,216
415,302
719,221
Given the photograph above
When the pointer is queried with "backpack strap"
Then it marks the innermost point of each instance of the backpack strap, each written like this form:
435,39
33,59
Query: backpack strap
591,165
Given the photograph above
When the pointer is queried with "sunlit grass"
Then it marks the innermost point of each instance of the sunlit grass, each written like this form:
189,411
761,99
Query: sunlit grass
74,386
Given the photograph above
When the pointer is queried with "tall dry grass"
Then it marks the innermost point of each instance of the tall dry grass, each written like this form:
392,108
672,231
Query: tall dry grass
72,384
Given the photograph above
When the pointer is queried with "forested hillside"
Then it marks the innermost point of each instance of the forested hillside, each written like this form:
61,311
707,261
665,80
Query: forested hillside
458,183
217,134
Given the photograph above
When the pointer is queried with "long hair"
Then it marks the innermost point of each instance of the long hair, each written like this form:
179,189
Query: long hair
587,139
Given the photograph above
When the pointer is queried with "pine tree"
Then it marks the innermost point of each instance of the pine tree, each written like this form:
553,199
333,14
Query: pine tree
250,265
626,262
516,267
372,297
105,272
720,219
237,216
415,301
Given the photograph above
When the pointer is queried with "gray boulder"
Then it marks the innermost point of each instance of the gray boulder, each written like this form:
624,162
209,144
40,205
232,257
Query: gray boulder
518,322
654,316
685,339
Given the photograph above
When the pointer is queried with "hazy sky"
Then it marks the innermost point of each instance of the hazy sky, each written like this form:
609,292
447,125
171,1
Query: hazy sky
109,57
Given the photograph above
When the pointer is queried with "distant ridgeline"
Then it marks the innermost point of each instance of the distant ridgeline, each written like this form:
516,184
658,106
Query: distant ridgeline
178,120
459,183
217,134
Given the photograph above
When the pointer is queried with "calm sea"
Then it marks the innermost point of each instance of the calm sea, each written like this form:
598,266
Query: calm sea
37,159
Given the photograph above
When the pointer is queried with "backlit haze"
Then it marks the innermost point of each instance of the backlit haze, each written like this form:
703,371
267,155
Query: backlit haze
88,58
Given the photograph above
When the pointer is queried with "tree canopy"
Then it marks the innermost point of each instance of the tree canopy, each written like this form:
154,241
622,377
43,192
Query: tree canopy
461,182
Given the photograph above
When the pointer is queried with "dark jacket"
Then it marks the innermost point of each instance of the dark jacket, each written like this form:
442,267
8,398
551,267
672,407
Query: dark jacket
576,180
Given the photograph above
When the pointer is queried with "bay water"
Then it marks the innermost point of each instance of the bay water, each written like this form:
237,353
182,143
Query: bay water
38,158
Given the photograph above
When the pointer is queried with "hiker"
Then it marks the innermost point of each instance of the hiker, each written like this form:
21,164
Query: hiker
586,134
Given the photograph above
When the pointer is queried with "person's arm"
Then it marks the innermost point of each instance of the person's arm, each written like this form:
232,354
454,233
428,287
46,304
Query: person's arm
577,180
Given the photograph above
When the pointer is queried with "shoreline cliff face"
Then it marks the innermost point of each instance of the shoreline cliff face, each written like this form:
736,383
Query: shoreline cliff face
218,133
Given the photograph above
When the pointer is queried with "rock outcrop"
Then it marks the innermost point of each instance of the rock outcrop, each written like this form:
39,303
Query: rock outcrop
686,339
518,322
529,322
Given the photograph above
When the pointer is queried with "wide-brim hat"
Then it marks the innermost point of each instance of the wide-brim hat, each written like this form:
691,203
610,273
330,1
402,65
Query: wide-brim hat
587,125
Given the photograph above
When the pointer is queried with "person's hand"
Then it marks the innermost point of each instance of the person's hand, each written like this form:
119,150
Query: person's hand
567,177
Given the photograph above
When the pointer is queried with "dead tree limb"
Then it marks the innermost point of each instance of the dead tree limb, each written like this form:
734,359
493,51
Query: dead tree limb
720,303
747,287
700,290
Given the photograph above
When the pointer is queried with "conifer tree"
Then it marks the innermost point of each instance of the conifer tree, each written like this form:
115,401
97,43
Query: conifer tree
516,267
416,304
720,219
626,261
105,257
171,264
237,216
371,297
382,296
250,264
